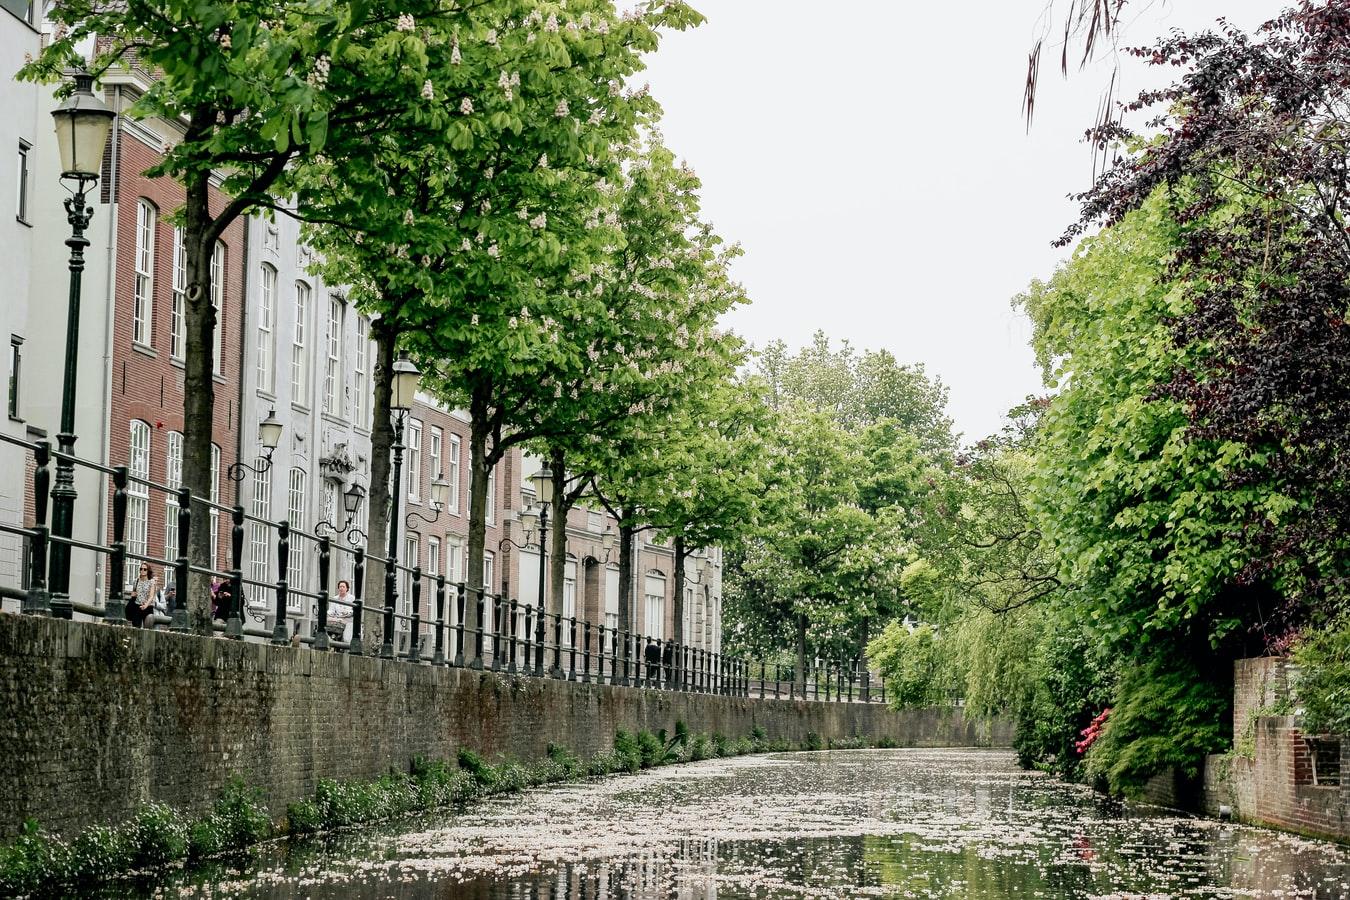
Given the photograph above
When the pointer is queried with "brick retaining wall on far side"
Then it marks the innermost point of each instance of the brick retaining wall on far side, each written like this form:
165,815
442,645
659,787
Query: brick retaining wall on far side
98,719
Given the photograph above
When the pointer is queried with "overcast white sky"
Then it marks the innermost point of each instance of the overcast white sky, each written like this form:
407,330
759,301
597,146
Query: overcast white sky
871,157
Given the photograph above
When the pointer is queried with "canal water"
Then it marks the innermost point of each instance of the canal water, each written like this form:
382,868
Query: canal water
866,823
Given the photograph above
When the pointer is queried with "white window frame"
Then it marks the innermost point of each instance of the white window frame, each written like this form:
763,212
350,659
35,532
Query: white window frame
267,335
489,570
490,507
143,275
332,374
259,547
433,556
215,513
138,496
435,443
295,515
413,443
178,299
412,548
454,558
173,479
452,473
654,620
362,385
22,180
218,304
300,345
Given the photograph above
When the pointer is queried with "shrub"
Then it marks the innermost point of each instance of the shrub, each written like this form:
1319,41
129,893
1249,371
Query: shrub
237,820
484,774
701,748
813,741
653,749
158,835
628,748
1323,686
885,743
607,762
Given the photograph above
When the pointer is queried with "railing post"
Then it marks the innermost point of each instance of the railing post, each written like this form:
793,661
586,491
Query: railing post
39,600
557,671
358,606
586,653
497,616
321,641
459,624
279,635
234,619
527,641
438,655
539,639
572,650
415,638
114,611
179,620
511,663
387,650
477,661
763,676
777,679
627,653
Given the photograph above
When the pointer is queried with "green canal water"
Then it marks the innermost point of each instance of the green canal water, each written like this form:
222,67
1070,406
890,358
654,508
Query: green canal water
868,823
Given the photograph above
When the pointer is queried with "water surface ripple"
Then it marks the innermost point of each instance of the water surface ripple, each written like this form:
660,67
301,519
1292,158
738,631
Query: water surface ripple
867,823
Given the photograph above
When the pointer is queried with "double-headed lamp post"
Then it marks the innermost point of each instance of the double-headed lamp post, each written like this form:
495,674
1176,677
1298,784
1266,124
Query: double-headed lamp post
82,125
401,395
543,495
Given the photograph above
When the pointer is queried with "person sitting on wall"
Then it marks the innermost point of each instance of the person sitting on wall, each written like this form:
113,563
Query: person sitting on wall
340,614
144,592
221,599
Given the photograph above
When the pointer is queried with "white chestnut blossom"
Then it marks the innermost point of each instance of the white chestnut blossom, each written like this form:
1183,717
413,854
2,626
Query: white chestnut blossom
493,251
466,106
539,221
473,320
597,116
428,92
455,58
465,245
551,26
407,217
491,37
405,23
561,109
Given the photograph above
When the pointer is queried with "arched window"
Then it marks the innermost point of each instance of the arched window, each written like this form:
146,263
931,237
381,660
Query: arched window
138,496
143,292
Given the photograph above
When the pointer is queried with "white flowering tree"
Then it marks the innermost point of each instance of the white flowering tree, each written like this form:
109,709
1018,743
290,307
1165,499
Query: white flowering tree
468,248
258,89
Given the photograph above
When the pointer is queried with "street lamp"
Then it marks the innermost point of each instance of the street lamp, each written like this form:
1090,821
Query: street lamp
440,492
401,394
82,125
351,505
269,435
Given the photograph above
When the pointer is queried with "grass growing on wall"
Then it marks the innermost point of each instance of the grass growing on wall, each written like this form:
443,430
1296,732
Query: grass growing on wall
158,835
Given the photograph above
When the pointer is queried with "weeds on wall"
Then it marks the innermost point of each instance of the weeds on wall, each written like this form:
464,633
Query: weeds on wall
159,835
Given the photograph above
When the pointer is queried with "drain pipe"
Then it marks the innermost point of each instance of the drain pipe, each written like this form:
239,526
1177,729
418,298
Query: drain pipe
101,590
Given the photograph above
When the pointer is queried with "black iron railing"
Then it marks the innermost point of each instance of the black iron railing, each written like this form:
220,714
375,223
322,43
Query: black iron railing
509,636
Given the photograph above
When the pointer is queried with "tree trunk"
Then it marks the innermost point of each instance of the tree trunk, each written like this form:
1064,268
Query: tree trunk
199,396
479,428
558,538
626,533
678,631
801,654
379,499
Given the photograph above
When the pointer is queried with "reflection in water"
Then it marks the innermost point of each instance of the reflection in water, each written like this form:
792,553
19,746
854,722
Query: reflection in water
886,823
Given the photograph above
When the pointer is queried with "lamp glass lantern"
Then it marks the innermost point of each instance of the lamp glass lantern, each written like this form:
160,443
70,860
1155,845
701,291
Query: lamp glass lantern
529,521
440,493
405,381
607,539
82,125
269,431
351,499
543,485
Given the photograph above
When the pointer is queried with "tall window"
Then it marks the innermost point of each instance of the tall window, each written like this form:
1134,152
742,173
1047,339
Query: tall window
259,549
21,210
435,440
332,375
173,479
300,346
218,304
177,325
433,556
655,624
414,443
267,337
454,559
295,515
491,514
410,560
143,299
569,607
15,370
361,384
215,513
452,473
138,495
611,600
488,565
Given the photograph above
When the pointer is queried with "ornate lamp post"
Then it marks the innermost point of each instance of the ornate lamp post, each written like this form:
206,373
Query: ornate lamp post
269,435
351,505
401,396
543,494
82,125
440,492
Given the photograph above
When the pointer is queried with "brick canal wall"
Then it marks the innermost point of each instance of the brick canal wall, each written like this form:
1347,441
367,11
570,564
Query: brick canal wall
1273,778
96,720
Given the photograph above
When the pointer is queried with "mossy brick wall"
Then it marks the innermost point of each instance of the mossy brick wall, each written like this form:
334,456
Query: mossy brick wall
97,719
